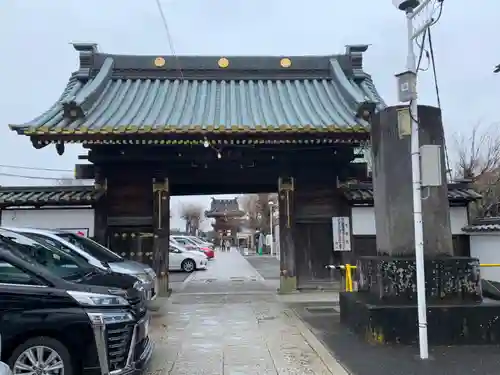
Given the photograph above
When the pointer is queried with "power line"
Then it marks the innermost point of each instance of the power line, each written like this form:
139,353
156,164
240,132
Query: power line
169,36
29,177
34,168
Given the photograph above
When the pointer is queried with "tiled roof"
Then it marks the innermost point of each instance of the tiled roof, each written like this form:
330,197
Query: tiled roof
121,94
363,193
48,196
224,207
484,225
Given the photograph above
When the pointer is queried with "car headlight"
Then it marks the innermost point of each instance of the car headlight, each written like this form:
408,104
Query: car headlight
142,277
150,272
96,299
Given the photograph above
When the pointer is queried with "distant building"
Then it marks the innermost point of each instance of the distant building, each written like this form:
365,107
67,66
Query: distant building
228,218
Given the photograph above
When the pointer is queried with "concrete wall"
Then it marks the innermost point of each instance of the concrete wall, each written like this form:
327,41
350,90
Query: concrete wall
486,247
78,219
363,220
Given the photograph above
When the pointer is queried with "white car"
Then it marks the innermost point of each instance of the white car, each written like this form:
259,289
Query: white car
4,369
191,240
180,259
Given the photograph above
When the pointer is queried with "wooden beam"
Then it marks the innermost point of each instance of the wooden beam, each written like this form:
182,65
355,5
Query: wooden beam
161,233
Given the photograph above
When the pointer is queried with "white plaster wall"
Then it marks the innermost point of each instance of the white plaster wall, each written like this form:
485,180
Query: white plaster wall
486,247
70,219
363,220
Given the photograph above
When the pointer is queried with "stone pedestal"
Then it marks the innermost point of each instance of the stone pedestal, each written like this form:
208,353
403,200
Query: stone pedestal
384,309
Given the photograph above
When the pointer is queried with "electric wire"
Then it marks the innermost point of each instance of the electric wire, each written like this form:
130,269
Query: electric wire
438,100
169,37
30,177
34,168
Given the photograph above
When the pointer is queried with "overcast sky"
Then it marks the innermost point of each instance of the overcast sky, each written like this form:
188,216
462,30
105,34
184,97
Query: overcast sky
37,59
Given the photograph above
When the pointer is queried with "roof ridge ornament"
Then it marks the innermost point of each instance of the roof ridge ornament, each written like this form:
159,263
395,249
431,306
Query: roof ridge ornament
87,51
355,53
76,106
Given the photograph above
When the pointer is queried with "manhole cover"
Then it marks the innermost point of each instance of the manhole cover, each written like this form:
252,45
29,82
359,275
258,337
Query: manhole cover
209,280
323,310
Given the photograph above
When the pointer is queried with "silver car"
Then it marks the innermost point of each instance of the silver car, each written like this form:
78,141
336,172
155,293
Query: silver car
95,254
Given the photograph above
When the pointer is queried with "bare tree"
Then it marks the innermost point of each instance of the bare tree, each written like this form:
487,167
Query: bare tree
258,209
478,160
193,215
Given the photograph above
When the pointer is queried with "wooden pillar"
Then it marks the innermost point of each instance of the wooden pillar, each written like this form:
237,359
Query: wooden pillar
161,233
101,209
288,276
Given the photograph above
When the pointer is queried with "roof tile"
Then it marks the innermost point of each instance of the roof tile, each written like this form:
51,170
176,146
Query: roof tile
483,225
48,196
122,95
364,193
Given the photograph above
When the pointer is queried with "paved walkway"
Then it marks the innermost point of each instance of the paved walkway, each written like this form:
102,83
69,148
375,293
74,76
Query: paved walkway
227,320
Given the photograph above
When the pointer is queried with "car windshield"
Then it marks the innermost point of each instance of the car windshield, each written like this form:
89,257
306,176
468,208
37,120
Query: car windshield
91,247
197,240
185,241
51,243
52,259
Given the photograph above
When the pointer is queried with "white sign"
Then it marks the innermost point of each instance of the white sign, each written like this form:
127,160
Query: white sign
341,233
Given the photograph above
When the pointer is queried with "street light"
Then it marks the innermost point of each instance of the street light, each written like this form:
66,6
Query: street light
271,205
408,93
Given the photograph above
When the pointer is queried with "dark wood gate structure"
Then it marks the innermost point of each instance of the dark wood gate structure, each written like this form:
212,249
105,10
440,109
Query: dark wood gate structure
157,126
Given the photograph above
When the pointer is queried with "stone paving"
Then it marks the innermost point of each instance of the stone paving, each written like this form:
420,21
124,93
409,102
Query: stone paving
228,320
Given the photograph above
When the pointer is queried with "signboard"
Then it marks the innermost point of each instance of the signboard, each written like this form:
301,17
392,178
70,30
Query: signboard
341,233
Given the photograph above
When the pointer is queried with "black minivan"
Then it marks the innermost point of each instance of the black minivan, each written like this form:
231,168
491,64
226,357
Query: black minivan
53,317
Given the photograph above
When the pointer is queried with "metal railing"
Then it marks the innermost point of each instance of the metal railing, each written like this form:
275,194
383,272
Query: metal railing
349,283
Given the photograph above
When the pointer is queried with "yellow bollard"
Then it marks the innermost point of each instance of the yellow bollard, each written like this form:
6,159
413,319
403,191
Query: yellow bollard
348,278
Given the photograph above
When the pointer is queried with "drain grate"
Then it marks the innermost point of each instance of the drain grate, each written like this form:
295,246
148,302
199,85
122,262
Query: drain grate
323,310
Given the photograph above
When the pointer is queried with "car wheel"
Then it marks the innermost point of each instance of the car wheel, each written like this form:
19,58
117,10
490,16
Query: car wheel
188,265
41,355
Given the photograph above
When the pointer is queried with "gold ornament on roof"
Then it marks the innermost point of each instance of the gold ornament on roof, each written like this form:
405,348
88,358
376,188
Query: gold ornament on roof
285,62
223,62
159,62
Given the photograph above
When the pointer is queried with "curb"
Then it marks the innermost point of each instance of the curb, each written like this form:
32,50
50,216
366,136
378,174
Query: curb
333,365
187,280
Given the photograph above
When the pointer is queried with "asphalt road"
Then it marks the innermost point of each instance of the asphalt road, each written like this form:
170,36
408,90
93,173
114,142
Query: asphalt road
267,266
362,358
178,276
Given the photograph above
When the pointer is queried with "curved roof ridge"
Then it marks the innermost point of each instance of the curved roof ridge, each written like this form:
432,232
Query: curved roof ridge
308,94
77,105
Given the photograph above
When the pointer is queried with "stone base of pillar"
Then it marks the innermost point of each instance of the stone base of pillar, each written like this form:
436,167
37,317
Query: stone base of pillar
288,284
163,287
456,324
384,309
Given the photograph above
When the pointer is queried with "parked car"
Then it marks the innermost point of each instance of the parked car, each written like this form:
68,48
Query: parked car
180,259
201,242
95,254
51,325
4,368
189,244
69,267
